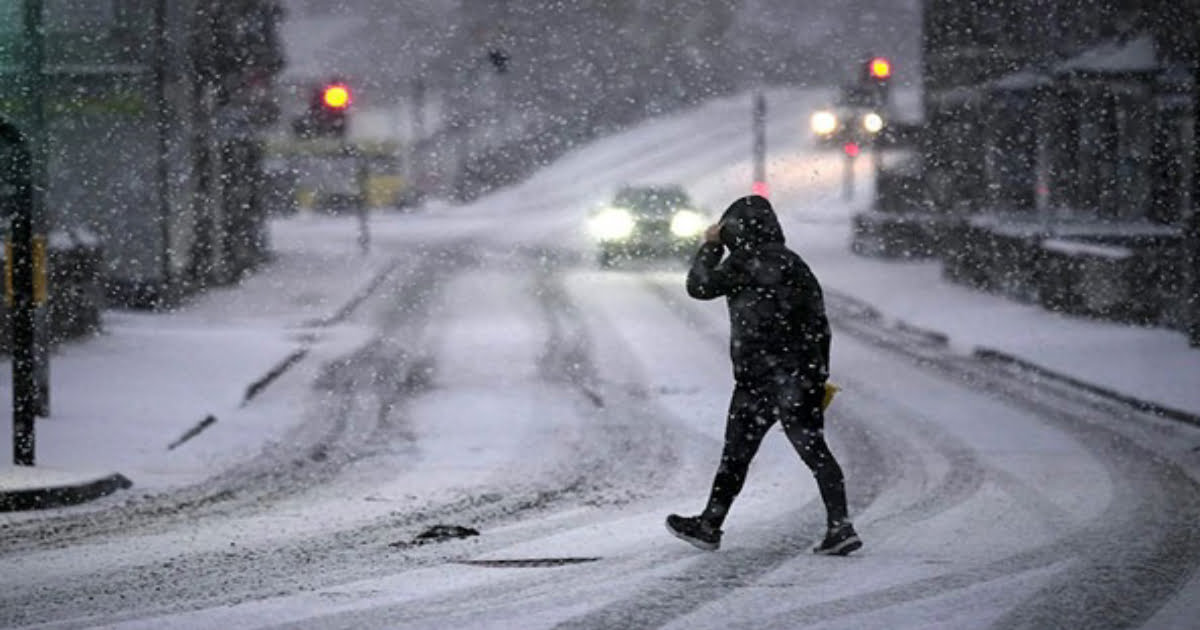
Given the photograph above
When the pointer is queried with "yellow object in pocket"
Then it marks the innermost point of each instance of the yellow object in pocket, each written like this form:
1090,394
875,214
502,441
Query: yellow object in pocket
831,390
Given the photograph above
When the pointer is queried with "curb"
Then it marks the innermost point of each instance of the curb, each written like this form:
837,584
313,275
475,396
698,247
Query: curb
989,354
63,495
47,497
358,298
863,310
256,388
275,372
929,336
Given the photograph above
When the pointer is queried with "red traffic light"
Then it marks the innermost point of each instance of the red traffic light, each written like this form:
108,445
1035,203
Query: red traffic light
879,68
851,149
336,96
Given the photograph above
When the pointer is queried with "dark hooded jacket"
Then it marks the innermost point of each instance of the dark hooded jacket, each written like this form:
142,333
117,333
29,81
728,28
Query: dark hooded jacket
776,307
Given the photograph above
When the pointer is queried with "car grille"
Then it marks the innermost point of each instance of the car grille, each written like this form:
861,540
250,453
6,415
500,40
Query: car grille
660,228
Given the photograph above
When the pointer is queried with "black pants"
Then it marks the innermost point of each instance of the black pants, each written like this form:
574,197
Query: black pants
795,402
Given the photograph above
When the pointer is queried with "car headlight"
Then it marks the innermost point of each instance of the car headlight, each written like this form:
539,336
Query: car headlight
687,223
872,122
823,122
612,224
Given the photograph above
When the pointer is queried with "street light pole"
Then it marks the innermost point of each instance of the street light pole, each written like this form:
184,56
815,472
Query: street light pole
1191,215
759,128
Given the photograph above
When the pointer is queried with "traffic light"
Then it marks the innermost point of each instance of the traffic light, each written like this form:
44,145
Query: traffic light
336,97
877,74
879,68
328,111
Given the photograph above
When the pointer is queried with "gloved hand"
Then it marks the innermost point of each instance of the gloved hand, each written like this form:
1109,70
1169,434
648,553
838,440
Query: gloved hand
831,390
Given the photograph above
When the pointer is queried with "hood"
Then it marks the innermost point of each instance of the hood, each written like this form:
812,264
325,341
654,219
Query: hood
750,222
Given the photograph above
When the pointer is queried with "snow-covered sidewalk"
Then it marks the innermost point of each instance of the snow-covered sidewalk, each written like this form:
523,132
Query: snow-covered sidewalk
1152,365
161,399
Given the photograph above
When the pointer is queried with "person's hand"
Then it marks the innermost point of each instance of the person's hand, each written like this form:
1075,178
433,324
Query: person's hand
713,233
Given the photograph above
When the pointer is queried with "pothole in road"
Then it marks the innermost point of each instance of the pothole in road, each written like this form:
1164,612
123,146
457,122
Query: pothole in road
438,533
528,562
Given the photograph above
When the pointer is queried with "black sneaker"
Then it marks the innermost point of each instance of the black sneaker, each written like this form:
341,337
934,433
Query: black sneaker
839,541
692,529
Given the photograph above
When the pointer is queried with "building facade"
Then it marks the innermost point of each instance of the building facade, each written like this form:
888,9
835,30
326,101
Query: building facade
1057,157
149,135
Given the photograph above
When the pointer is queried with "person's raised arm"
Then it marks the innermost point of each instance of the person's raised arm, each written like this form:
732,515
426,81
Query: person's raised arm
710,278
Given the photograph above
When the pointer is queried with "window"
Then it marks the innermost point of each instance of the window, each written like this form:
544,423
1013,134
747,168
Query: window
77,15
12,16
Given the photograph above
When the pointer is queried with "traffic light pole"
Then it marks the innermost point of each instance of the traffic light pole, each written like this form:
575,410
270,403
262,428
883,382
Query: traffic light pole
26,393
848,172
879,74
876,159
362,176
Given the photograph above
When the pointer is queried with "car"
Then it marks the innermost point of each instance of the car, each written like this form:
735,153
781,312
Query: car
838,124
858,115
647,222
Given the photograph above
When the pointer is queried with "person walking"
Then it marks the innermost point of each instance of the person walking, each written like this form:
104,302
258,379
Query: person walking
779,346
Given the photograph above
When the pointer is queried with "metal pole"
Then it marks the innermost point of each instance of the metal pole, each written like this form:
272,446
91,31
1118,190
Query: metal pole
459,125
759,124
848,175
38,218
416,136
876,160
1191,214
362,173
162,122
460,93
25,387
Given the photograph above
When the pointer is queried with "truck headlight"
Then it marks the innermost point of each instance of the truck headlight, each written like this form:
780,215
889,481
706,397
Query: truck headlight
687,223
823,122
612,224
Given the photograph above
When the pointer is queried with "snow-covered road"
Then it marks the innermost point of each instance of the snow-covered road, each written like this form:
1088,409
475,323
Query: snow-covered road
498,381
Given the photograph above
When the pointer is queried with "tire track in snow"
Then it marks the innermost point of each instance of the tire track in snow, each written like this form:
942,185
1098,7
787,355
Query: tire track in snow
272,473
778,537
649,610
965,474
357,391
638,435
1146,532
629,456
712,576
191,578
356,395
